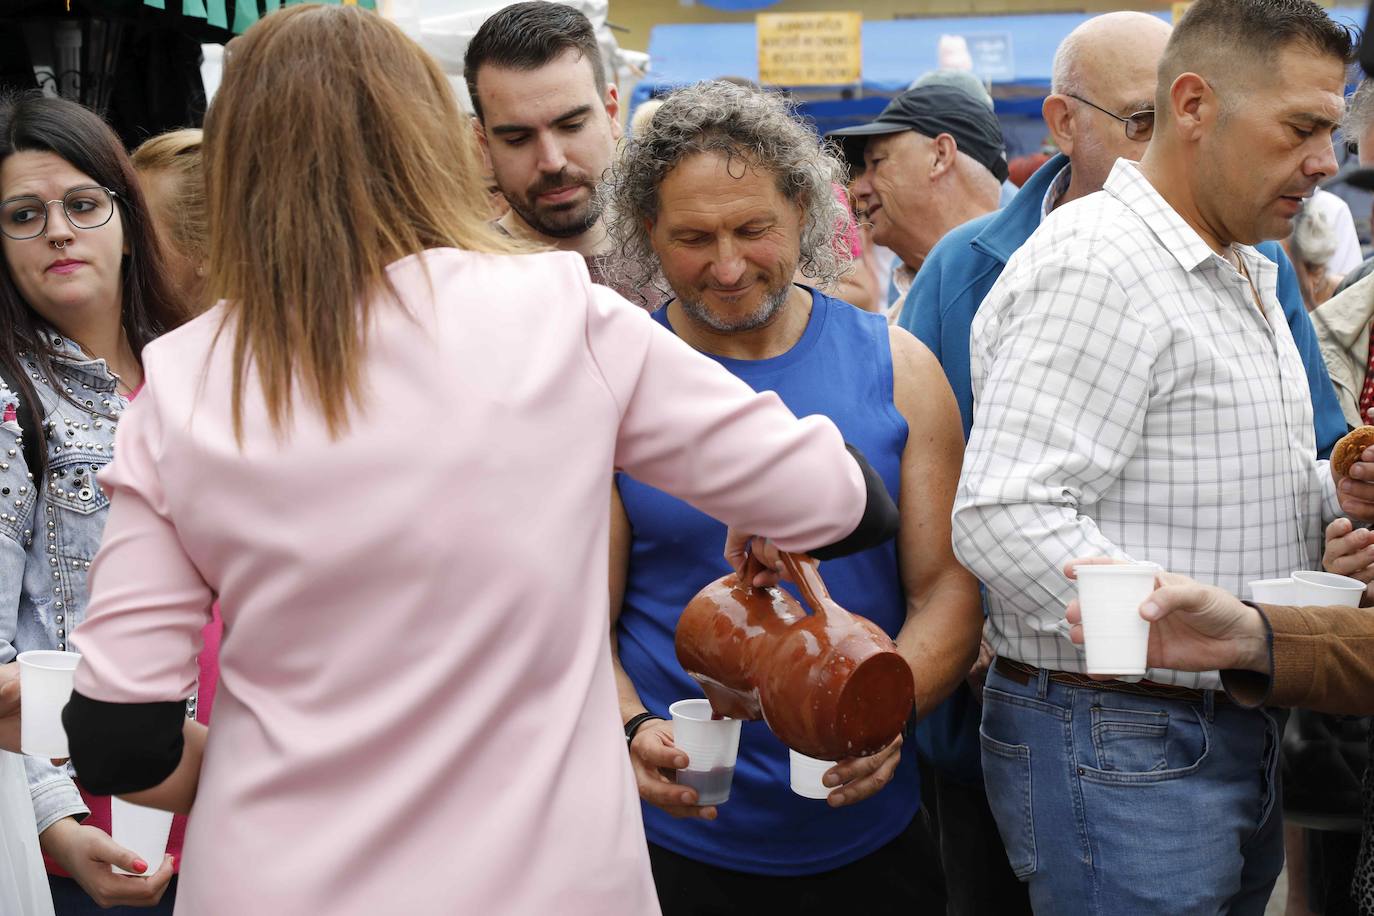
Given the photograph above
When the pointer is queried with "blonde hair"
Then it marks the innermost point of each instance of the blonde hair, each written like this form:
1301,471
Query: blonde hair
334,147
178,153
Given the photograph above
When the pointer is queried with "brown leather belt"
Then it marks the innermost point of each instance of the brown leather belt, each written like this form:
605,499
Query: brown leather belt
1022,673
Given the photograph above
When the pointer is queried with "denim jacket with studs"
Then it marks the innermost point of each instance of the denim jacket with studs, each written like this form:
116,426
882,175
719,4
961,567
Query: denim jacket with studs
50,534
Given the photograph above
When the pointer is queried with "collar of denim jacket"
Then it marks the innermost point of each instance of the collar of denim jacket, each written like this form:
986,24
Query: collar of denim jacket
68,355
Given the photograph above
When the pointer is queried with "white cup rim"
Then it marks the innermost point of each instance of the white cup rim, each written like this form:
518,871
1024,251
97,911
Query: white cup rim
35,658
689,710
800,759
1321,579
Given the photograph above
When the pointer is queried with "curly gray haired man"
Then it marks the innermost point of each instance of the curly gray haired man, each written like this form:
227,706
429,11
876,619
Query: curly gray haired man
748,131
723,194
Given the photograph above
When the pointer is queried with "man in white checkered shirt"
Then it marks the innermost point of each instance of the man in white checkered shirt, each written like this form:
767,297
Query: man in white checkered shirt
1138,395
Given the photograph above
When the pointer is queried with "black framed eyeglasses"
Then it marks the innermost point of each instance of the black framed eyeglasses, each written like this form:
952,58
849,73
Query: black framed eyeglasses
85,208
1139,126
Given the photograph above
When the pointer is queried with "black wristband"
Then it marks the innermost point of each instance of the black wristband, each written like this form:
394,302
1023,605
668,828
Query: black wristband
633,725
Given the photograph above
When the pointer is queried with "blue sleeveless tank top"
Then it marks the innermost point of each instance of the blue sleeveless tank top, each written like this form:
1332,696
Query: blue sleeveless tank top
840,368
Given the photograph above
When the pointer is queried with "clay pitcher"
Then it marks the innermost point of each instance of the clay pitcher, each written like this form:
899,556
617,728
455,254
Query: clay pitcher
830,684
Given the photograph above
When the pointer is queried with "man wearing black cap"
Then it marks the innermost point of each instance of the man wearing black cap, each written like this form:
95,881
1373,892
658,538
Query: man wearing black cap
932,160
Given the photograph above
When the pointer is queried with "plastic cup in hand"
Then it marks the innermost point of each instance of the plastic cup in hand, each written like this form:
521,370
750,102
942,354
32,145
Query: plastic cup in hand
1273,591
142,831
1115,637
1324,589
45,686
710,746
807,773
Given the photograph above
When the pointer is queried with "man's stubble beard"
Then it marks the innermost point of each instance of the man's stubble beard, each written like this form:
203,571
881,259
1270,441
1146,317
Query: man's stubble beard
562,221
768,309
570,227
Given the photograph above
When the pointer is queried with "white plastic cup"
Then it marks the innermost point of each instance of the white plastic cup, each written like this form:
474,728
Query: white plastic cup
710,745
1273,591
1324,589
45,686
807,773
1116,638
142,831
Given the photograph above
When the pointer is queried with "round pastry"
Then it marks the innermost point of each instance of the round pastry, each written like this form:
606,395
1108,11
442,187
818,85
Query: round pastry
1349,449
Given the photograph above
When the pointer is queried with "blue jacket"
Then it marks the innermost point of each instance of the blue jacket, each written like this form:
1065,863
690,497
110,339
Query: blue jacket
949,288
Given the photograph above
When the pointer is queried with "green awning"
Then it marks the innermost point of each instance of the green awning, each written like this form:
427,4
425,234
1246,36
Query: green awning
245,12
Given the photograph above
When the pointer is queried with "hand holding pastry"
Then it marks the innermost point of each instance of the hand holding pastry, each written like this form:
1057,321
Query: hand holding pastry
1352,466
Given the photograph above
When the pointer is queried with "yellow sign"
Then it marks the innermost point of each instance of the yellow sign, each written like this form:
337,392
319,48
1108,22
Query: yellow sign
810,49
1180,9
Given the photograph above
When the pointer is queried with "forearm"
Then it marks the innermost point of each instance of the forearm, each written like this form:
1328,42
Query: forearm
178,791
1018,551
940,638
52,840
626,694
1315,658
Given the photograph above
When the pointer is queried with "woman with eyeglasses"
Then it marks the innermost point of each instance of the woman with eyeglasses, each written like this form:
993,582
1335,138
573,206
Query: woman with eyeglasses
81,293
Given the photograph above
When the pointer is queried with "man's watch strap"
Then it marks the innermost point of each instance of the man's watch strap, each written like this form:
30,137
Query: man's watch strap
633,725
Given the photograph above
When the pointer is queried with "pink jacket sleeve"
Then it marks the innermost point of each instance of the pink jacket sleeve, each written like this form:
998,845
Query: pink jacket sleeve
148,600
690,428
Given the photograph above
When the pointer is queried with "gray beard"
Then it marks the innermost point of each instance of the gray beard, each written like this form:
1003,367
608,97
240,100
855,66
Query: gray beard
767,310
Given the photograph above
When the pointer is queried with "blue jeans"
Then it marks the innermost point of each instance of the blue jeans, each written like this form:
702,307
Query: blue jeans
1113,803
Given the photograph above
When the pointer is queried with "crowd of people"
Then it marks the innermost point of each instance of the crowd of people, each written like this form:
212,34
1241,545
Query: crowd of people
440,674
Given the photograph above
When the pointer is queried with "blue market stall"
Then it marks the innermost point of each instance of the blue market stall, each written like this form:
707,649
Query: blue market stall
1014,54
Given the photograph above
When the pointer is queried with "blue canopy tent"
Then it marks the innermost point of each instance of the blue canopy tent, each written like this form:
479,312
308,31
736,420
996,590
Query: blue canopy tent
1014,53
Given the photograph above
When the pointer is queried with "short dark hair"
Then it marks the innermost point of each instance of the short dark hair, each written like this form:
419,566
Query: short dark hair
32,122
526,36
1255,31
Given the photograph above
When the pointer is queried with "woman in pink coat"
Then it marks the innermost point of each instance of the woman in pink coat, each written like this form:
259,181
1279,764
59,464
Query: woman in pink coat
388,453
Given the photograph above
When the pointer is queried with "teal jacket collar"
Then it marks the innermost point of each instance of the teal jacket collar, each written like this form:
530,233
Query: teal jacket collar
1009,229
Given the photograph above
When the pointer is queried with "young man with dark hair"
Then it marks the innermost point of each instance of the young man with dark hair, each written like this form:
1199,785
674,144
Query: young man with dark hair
547,122
1138,395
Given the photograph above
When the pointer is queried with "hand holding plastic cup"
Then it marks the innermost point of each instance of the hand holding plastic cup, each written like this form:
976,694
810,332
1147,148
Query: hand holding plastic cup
142,831
710,745
807,773
45,686
1116,638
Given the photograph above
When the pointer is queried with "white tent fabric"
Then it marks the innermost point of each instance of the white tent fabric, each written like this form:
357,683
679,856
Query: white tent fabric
444,28
446,36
